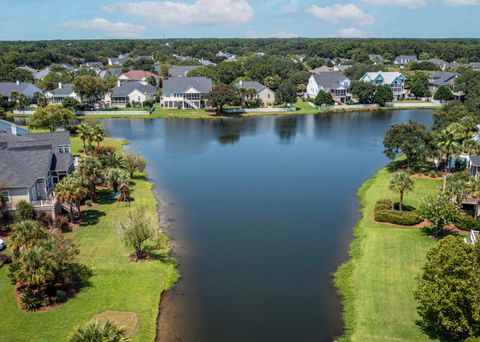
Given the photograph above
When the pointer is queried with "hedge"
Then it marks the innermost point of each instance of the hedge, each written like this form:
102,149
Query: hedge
384,212
466,222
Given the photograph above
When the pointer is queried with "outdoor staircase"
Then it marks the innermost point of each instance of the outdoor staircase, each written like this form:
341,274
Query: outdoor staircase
191,103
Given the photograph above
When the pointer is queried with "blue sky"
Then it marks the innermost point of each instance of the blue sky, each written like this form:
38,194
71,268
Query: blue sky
75,19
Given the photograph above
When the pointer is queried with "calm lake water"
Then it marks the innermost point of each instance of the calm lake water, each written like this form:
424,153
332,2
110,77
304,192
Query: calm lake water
261,212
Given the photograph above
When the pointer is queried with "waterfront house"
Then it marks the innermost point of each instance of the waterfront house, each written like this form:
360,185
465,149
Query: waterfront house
333,82
395,80
61,93
265,94
181,70
128,92
404,60
21,88
185,92
140,76
442,78
32,164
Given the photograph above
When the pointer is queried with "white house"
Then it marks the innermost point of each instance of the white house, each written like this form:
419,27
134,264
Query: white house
61,93
333,82
395,80
404,60
185,92
128,92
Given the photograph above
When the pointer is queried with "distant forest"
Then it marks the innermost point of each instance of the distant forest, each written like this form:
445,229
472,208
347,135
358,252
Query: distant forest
39,54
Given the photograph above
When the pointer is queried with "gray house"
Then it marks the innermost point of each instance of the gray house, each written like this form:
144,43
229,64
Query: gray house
185,92
333,82
61,93
32,164
265,94
404,60
181,70
440,79
23,88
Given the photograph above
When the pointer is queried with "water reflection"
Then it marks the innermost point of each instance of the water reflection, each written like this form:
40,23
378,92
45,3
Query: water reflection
286,127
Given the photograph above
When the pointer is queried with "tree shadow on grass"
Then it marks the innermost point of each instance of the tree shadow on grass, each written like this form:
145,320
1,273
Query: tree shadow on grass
430,232
91,217
432,331
160,254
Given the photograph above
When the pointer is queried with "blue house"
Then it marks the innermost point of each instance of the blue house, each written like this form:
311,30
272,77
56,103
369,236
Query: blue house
395,80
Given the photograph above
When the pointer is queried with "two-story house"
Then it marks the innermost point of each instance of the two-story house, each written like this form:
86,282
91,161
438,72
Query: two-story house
185,92
265,94
333,82
32,164
140,76
440,79
59,94
127,92
181,70
395,80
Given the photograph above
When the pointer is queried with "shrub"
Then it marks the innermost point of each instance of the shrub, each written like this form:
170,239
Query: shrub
466,222
384,212
31,301
45,219
61,222
73,129
101,151
88,203
24,211
5,259
61,295
433,174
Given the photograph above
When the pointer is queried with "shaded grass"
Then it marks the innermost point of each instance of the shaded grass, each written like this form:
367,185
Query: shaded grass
116,284
377,282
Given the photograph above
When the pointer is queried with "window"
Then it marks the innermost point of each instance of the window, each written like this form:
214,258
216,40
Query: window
64,148
6,196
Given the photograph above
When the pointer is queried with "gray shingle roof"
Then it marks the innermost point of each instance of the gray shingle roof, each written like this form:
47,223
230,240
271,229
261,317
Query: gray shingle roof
65,90
251,84
7,88
475,160
182,84
181,70
442,78
126,88
405,59
24,159
330,79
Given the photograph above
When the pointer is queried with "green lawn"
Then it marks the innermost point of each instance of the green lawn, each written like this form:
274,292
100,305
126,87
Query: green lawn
378,282
116,283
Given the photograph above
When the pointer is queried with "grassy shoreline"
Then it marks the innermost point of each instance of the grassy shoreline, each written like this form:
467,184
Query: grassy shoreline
303,108
377,282
116,284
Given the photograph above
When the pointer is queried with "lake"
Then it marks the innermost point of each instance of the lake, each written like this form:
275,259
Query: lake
260,212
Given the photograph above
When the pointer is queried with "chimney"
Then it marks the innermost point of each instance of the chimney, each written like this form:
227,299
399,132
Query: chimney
18,82
119,83
14,129
60,85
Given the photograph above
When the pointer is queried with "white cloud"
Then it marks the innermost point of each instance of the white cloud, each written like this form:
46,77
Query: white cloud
462,2
201,12
341,14
281,33
111,29
399,3
351,33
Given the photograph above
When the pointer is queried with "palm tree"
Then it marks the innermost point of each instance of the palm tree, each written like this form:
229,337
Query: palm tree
114,160
33,267
401,183
469,125
84,133
94,331
447,142
26,234
90,170
98,133
71,190
115,177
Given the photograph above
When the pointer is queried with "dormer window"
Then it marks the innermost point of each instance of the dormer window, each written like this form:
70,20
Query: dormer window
64,148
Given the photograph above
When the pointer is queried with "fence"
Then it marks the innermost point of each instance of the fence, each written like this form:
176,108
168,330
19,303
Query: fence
260,110
98,112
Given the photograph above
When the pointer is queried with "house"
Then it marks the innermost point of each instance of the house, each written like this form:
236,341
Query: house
7,126
205,62
226,55
439,63
474,165
61,93
140,76
128,92
376,59
395,80
183,58
181,70
475,66
341,68
265,94
22,88
333,82
442,78
144,59
119,61
41,74
452,65
28,69
185,92
404,60
32,164
323,68
92,65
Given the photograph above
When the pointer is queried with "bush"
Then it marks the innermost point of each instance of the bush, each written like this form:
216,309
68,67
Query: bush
24,211
88,203
32,300
466,222
5,259
433,174
384,212
62,223
73,129
45,219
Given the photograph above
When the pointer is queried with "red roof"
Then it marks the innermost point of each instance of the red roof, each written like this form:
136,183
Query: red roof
139,74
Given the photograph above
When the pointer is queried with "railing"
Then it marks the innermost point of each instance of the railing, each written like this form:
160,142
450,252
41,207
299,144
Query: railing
44,203
191,103
261,110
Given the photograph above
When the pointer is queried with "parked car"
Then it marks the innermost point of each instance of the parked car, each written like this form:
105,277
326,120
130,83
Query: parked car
2,245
